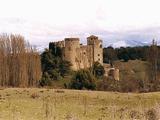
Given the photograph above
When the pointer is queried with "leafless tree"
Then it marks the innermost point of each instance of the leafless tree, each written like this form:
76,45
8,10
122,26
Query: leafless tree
19,63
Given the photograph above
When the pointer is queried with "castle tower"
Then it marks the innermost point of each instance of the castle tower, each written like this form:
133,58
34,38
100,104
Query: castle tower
97,50
70,51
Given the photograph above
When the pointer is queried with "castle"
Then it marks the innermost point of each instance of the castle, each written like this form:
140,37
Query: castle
84,56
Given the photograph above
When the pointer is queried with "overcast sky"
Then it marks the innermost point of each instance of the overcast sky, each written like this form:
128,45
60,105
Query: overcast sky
48,20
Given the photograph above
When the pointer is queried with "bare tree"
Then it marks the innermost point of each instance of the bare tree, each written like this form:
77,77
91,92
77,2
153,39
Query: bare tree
153,63
19,63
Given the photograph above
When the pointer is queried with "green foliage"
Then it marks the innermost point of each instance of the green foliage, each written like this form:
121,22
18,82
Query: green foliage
54,74
64,67
83,79
109,55
98,70
53,66
129,53
45,80
56,51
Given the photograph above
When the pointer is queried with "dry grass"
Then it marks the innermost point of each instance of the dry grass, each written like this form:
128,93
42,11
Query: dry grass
54,104
132,69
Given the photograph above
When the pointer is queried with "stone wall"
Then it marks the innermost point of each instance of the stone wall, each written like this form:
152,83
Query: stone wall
111,72
82,56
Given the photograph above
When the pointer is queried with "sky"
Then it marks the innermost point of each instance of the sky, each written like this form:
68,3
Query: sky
42,21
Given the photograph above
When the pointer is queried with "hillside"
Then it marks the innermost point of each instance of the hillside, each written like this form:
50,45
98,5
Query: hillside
54,104
135,69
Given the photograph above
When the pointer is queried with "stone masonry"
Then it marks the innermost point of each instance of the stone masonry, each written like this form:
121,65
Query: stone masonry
84,56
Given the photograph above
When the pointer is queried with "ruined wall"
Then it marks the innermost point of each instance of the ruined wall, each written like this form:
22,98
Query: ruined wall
111,71
116,74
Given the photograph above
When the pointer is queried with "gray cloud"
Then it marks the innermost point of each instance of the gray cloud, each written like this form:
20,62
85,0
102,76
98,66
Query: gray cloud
41,34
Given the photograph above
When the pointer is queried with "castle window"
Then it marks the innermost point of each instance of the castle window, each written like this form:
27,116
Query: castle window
98,54
100,46
84,53
98,59
69,48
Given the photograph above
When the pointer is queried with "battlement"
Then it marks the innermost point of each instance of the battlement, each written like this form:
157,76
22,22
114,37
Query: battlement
72,39
59,43
92,37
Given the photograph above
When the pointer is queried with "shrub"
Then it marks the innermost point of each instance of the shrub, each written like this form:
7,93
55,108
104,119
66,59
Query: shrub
98,70
45,80
83,79
108,84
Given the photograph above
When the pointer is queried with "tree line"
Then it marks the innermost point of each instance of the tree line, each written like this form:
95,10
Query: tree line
20,64
111,54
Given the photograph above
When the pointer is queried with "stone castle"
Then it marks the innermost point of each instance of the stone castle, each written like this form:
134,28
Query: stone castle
84,56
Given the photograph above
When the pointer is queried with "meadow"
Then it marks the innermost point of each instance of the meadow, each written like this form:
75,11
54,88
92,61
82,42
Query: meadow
60,104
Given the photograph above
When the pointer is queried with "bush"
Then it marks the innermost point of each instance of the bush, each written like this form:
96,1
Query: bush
45,80
98,70
108,84
83,79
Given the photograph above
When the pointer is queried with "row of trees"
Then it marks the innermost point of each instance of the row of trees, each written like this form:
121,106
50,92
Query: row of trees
20,64
129,53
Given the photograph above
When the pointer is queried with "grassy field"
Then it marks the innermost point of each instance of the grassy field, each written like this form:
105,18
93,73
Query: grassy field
54,104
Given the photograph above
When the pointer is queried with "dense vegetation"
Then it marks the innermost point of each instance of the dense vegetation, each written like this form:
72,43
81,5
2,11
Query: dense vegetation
53,66
125,54
83,79
20,64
